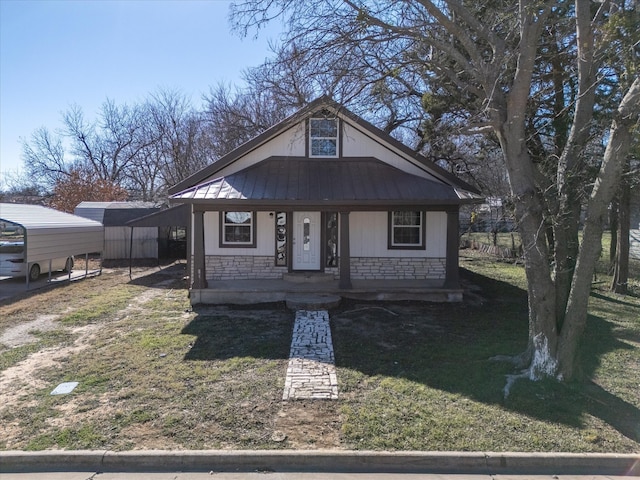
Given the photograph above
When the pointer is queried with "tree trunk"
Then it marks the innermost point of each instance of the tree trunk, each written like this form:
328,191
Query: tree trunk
607,181
508,115
540,355
571,162
621,269
613,226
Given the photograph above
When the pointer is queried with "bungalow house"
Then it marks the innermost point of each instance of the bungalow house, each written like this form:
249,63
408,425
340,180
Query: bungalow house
324,197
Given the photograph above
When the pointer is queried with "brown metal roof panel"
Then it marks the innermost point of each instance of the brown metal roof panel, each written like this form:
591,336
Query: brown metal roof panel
250,185
323,180
271,179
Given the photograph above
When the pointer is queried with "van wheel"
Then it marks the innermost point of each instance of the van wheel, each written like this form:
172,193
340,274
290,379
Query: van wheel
34,272
68,265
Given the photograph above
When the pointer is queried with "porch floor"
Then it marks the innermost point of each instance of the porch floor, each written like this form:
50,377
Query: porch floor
277,290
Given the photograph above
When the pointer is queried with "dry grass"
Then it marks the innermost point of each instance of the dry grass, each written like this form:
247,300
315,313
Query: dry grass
154,373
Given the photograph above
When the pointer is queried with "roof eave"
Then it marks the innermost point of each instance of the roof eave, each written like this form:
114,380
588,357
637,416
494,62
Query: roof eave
339,205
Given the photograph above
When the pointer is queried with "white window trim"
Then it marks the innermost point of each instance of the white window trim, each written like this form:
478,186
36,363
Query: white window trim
224,224
336,138
409,246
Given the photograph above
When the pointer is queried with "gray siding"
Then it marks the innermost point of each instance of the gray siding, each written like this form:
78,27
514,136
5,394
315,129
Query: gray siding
43,244
117,242
91,213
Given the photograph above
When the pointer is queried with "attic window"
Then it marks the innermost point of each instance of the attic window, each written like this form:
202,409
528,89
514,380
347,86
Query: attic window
323,137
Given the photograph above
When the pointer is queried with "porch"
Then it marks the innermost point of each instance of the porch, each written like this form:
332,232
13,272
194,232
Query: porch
292,288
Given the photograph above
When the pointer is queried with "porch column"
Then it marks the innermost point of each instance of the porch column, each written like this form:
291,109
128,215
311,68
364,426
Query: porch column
452,274
199,271
345,253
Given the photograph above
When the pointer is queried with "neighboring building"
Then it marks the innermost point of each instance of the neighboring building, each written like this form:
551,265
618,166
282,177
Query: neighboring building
490,216
325,194
634,231
118,240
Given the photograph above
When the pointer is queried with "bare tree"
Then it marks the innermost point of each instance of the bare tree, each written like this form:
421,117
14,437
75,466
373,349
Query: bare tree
44,158
233,118
181,141
488,56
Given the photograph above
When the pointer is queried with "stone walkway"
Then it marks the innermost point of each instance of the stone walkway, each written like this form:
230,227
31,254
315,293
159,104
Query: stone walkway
311,373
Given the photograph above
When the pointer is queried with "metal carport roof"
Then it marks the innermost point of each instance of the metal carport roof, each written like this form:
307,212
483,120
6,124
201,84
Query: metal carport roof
50,233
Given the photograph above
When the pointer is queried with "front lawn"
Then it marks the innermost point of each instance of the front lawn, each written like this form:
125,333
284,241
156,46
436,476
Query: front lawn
429,382
155,374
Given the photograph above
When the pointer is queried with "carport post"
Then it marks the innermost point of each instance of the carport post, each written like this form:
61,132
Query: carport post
50,265
130,249
86,264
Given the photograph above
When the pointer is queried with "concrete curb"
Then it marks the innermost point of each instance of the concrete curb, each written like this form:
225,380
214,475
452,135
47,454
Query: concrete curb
320,461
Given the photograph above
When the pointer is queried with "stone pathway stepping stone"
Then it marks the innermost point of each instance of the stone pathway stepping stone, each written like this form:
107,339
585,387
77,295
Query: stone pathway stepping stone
311,373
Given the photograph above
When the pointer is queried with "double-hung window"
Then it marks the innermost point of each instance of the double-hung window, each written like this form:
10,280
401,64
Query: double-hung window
237,229
323,137
406,230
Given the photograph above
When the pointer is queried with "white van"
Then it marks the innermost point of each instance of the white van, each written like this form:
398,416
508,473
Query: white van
12,262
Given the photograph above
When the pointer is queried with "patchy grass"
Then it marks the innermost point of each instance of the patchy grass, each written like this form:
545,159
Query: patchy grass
423,379
154,373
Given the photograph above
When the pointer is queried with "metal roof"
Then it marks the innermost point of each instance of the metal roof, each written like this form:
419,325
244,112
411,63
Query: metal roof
117,205
115,214
299,180
177,216
34,217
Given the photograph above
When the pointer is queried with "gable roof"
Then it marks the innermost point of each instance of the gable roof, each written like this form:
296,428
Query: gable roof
115,214
320,103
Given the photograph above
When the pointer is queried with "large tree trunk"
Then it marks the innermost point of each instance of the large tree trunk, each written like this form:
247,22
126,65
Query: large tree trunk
540,356
569,176
603,191
508,115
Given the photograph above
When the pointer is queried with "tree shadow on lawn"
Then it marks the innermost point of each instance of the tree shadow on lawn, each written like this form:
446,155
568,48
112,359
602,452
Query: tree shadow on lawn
163,276
449,347
233,331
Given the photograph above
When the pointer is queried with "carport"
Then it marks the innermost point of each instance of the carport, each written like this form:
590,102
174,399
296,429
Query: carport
176,216
49,234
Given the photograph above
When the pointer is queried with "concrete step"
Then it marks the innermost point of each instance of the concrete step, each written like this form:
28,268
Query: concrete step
307,277
312,301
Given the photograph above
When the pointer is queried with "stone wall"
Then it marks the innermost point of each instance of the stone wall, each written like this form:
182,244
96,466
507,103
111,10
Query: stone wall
362,268
397,268
242,267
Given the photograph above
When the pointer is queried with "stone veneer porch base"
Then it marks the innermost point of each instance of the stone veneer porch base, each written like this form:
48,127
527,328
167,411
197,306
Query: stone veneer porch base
245,267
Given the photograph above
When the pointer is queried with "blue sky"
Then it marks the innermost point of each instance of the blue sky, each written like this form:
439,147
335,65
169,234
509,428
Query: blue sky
54,54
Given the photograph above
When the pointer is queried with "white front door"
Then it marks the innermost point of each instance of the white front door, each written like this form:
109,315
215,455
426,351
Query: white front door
306,240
